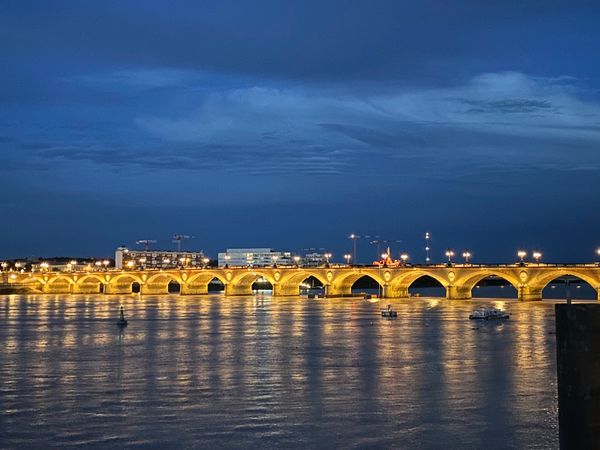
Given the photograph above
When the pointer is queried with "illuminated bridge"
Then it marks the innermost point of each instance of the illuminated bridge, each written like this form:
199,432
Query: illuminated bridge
458,280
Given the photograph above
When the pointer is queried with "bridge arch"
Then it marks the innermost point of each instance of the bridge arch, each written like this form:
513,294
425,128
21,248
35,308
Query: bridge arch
60,284
127,277
540,283
399,286
437,283
198,283
89,284
290,283
342,282
462,288
163,283
242,283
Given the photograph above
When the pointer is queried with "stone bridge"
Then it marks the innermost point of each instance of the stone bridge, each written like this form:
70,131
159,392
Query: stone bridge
458,280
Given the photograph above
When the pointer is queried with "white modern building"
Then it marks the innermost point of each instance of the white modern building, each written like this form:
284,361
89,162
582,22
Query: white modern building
126,258
254,257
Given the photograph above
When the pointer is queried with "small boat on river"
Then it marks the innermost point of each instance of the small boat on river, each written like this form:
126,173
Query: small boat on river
389,313
488,314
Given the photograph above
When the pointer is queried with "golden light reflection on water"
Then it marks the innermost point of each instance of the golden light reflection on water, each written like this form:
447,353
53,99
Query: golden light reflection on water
213,366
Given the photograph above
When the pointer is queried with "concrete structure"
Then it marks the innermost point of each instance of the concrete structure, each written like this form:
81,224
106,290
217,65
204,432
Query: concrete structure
458,280
157,259
254,257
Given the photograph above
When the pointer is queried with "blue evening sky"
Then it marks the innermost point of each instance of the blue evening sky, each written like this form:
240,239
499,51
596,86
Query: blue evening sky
291,124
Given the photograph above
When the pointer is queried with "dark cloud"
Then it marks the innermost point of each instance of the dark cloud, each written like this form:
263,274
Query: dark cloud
386,117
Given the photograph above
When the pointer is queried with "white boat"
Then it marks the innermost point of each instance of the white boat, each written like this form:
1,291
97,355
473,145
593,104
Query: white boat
488,314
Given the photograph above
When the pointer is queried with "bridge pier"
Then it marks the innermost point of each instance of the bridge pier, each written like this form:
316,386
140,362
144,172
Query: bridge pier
231,290
121,289
194,289
391,291
458,293
337,291
153,289
88,288
529,294
280,290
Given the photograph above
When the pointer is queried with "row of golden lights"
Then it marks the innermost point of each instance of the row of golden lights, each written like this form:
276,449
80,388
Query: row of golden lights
44,266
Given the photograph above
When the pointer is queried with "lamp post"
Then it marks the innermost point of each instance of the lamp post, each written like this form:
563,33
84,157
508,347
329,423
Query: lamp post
427,247
205,261
598,253
347,257
4,266
404,258
105,263
522,254
449,254
275,258
327,257
466,255
354,237
537,256
297,260
142,262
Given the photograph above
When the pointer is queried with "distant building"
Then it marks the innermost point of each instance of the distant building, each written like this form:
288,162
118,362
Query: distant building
313,260
254,257
126,258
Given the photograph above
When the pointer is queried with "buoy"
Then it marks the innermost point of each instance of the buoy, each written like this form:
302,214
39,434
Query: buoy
122,321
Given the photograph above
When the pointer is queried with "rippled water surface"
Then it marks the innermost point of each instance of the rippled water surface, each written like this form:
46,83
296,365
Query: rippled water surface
216,372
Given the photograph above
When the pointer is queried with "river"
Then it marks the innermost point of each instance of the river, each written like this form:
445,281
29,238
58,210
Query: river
262,372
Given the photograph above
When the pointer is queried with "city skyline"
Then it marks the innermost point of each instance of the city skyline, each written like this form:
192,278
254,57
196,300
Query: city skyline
288,125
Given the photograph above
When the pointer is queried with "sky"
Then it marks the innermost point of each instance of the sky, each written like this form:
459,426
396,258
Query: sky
291,124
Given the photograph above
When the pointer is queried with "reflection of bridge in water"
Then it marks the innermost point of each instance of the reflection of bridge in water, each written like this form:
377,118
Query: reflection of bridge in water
458,280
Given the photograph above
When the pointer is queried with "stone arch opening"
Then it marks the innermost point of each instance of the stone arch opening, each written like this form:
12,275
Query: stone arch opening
215,285
426,286
574,286
312,282
163,283
173,287
136,287
249,283
300,282
494,286
366,284
203,283
123,284
261,284
58,285
90,284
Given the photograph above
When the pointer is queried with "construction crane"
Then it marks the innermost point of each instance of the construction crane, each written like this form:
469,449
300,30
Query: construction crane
146,243
178,238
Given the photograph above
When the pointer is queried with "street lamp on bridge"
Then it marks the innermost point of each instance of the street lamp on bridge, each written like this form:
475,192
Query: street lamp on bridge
449,255
347,257
537,256
353,237
404,258
522,254
466,256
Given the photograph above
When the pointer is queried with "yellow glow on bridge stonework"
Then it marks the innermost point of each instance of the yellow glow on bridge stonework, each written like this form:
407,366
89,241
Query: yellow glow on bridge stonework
458,280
